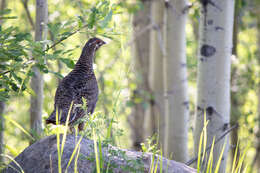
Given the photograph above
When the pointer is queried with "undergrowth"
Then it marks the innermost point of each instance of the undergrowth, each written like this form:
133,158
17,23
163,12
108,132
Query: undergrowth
99,130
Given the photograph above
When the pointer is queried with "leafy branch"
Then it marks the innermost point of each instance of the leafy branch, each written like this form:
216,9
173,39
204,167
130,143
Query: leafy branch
64,38
53,45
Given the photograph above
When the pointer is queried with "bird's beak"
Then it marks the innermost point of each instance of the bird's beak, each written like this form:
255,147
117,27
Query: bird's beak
102,43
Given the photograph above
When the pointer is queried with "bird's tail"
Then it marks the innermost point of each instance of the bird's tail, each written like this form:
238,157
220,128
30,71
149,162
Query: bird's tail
51,119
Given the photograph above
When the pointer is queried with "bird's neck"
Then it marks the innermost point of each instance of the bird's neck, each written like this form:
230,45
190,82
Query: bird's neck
85,61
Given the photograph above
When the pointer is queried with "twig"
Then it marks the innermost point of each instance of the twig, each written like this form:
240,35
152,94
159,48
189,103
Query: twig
64,38
209,147
148,27
2,73
55,44
26,63
25,5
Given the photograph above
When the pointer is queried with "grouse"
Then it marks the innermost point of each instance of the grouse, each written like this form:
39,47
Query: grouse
78,85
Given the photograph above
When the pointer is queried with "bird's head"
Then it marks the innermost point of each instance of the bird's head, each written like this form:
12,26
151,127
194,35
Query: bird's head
94,44
88,53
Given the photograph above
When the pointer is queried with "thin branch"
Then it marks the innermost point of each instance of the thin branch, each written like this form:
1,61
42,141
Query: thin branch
26,63
64,38
130,42
2,73
148,27
25,5
55,44
209,147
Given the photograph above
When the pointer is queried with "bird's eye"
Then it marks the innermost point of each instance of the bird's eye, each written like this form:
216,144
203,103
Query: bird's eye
98,42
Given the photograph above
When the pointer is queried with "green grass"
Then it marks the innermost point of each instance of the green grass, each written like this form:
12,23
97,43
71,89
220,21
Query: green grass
207,158
96,122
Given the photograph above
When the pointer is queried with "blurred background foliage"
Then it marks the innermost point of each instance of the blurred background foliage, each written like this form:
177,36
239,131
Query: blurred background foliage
74,22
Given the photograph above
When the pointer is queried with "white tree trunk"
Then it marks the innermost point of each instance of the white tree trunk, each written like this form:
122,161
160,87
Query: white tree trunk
37,79
176,84
154,119
257,155
214,60
141,22
2,107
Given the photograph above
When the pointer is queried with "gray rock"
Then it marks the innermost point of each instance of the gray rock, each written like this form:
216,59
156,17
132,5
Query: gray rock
42,157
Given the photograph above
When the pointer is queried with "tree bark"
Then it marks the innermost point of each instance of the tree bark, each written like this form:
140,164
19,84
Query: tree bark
176,83
154,119
2,106
2,123
235,103
141,54
257,154
42,157
214,61
37,78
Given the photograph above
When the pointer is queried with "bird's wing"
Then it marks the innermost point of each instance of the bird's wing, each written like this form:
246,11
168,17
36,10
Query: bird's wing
87,88
63,97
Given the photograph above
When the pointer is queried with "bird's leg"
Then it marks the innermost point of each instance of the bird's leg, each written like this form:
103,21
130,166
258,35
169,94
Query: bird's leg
81,126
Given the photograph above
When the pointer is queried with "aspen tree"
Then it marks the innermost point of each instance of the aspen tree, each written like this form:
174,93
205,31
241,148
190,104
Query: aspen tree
176,84
37,78
141,25
154,118
214,61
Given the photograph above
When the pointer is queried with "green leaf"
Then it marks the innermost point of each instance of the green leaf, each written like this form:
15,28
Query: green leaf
130,103
14,87
92,17
17,78
80,21
57,74
68,62
5,11
106,20
43,68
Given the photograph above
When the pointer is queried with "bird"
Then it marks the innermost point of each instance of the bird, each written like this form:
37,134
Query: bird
79,84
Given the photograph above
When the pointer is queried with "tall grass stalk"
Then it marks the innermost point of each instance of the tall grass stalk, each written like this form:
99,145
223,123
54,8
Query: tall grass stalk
76,150
236,166
60,149
96,151
161,162
58,143
156,166
203,141
16,163
220,157
100,154
66,129
19,127
234,159
152,163
108,165
240,162
76,161
210,160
